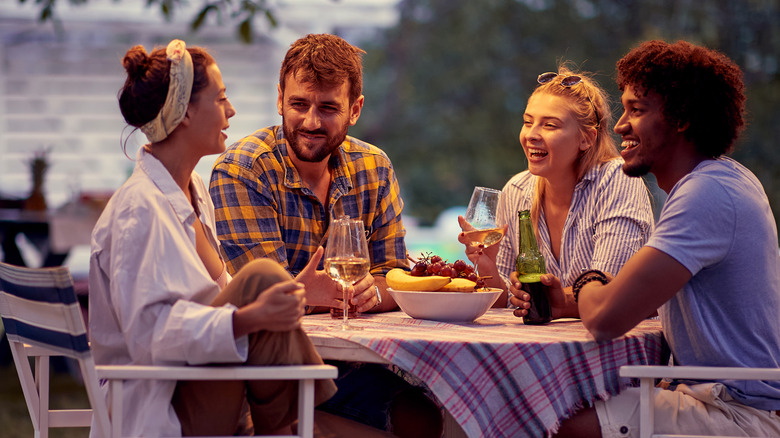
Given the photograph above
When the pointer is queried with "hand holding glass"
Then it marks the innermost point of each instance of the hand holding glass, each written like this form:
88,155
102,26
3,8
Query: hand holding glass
481,215
346,258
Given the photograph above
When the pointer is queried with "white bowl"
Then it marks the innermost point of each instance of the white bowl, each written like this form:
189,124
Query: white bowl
445,306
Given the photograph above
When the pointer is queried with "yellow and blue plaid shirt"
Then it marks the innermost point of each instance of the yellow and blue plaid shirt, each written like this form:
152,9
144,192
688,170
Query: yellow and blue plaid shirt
263,208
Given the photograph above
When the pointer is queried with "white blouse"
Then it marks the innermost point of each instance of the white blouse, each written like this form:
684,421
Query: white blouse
149,292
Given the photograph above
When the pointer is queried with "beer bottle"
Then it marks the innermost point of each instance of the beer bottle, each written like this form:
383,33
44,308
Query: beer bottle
530,267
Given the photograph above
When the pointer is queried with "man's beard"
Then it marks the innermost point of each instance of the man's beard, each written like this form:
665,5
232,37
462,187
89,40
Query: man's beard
638,169
313,155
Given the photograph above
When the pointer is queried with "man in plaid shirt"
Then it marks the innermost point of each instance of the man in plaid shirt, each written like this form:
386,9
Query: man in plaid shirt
275,191
274,195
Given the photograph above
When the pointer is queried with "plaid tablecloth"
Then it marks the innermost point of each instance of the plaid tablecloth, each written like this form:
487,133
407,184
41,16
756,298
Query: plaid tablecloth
498,377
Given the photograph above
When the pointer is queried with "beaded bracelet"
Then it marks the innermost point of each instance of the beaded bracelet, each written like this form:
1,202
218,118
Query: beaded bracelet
585,278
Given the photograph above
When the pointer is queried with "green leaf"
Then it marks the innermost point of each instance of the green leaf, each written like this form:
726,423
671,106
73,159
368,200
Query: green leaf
270,17
46,13
201,17
245,30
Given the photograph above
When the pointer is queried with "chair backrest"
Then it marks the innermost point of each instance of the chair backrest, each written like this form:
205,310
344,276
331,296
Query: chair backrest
39,308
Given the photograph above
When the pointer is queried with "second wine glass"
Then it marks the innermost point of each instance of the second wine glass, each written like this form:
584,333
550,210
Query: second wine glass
346,258
481,215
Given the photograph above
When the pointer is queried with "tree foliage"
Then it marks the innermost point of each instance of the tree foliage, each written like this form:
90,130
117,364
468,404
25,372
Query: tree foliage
446,88
242,12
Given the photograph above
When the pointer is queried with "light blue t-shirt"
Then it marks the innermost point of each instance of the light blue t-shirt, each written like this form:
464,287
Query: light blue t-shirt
717,222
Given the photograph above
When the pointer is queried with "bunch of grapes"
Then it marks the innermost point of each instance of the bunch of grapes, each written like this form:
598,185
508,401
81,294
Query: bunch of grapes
434,265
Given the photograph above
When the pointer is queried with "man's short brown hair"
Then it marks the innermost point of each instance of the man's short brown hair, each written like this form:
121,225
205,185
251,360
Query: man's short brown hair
324,60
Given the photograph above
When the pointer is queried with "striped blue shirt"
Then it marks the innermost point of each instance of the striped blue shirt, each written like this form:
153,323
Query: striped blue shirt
609,220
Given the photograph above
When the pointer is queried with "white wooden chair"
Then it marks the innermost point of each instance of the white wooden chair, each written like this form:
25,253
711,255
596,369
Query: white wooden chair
648,374
42,318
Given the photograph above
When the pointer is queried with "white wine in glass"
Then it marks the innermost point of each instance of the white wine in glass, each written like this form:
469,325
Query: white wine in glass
346,269
481,215
486,237
346,258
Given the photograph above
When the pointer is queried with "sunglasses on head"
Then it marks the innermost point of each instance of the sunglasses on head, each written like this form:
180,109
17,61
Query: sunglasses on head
568,82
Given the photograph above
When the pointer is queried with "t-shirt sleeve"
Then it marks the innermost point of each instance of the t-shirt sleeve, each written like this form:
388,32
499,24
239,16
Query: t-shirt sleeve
697,224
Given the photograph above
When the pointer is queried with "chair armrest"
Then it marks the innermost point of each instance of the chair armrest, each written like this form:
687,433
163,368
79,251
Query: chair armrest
695,372
277,372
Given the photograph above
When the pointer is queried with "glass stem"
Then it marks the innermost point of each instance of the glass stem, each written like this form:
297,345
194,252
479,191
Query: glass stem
476,262
346,303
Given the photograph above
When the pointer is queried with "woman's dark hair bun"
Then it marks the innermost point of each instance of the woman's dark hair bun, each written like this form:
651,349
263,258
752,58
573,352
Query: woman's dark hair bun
136,62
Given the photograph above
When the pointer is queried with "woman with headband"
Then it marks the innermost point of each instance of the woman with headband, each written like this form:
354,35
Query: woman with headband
159,292
587,214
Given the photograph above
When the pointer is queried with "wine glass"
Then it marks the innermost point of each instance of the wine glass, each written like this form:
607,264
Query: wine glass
346,258
481,214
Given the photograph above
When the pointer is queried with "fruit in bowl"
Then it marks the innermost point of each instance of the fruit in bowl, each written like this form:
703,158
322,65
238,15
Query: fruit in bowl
426,293
399,279
433,265
431,273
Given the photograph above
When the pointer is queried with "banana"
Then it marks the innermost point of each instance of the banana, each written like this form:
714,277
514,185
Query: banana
458,285
399,279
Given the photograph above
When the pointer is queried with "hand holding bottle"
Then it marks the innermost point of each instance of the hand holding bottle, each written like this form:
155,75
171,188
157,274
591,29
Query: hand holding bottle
560,307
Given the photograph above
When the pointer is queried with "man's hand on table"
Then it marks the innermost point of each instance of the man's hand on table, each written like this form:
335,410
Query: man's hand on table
373,303
322,292
363,294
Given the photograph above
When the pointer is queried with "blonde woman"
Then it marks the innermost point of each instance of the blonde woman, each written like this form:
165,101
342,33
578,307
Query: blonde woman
587,213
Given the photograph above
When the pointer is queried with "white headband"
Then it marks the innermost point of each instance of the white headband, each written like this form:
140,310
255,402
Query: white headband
178,97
